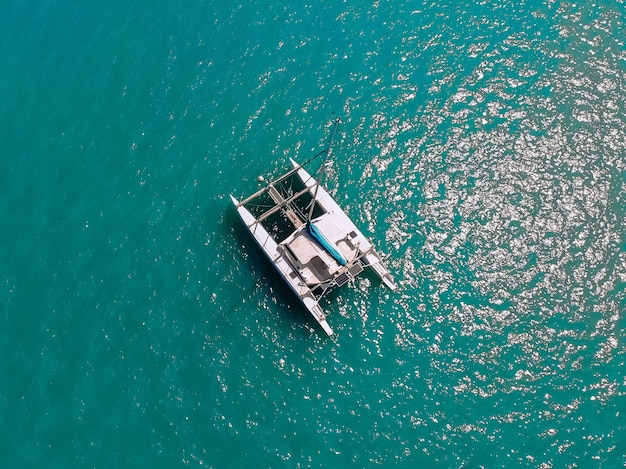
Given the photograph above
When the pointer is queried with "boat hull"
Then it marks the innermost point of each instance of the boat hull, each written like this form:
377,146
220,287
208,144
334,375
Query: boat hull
310,261
286,271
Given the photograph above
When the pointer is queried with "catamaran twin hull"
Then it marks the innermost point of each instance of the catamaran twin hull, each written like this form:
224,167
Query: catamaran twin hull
313,249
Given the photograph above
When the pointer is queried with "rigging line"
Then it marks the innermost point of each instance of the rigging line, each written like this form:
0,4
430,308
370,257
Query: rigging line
323,166
313,157
276,181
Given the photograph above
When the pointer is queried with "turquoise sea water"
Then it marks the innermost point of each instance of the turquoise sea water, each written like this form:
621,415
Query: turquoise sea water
483,150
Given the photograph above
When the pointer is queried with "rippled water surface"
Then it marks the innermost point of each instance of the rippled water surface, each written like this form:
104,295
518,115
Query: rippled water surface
482,149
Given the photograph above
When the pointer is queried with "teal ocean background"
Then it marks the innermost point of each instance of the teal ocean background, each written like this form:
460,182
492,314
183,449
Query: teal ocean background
483,150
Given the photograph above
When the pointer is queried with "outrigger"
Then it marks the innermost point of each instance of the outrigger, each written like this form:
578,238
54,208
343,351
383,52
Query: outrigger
306,235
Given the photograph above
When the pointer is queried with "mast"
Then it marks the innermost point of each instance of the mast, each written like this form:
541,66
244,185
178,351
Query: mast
322,169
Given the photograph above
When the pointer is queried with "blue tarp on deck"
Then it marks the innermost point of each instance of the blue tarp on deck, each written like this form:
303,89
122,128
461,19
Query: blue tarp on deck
317,235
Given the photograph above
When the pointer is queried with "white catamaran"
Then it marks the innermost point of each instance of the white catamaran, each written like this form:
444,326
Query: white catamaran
307,237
